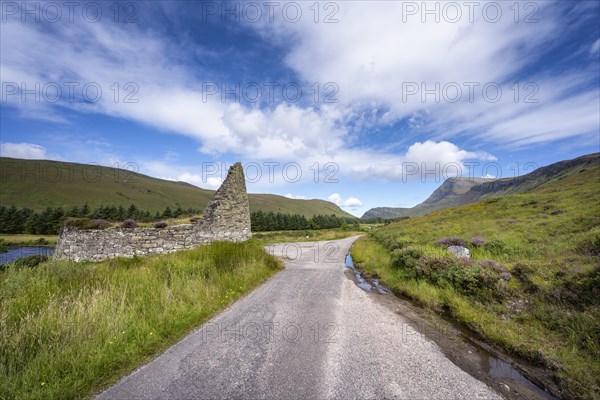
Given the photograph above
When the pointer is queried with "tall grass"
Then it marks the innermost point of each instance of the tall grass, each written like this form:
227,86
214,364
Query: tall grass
68,329
28,240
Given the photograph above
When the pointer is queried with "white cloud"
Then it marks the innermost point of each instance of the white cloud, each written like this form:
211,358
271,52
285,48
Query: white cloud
374,59
23,150
431,152
422,160
335,198
595,47
171,156
372,54
368,54
166,169
291,196
212,183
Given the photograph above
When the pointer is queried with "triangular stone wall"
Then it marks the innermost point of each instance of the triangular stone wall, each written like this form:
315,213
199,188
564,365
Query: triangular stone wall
226,217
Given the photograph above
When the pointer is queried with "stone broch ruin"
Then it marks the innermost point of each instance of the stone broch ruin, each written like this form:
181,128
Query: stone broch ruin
226,217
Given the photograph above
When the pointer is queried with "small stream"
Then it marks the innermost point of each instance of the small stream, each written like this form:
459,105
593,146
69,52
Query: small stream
495,367
16,252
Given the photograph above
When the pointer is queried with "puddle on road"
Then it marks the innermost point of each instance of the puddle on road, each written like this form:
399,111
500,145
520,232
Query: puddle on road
492,365
503,371
349,261
371,285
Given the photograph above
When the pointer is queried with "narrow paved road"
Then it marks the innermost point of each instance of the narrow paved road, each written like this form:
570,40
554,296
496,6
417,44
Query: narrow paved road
307,333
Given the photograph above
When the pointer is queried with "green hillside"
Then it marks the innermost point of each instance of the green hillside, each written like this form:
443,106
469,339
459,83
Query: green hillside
459,191
533,283
38,184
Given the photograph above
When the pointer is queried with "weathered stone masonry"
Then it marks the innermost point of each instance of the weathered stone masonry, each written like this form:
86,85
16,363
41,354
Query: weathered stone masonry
226,217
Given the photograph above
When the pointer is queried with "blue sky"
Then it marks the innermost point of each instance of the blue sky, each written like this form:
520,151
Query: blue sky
375,103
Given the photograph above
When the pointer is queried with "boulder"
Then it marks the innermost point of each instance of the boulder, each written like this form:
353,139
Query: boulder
460,251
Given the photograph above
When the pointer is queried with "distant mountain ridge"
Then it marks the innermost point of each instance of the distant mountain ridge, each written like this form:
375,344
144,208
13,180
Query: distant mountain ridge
38,184
458,191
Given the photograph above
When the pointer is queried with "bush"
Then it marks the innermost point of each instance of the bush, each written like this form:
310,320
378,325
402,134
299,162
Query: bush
160,224
397,244
99,224
406,258
478,241
505,275
451,241
86,223
76,223
128,224
483,279
492,265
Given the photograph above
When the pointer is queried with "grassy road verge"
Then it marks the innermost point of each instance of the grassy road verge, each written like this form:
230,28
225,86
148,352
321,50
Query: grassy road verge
532,285
68,329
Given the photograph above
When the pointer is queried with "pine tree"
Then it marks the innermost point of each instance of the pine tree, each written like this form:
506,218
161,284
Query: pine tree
131,211
121,213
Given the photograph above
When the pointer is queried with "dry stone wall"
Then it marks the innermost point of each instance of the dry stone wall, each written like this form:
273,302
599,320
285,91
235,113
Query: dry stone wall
226,217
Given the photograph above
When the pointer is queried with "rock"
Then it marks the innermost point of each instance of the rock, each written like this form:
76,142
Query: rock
460,251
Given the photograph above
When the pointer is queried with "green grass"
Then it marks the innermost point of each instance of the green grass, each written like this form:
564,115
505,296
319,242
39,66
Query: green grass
548,240
68,330
28,240
38,184
303,235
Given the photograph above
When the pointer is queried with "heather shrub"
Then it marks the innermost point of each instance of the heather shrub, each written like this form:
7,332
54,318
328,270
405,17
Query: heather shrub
468,277
397,244
432,268
484,279
86,223
492,265
478,241
451,241
76,223
128,224
406,258
98,224
506,276
522,272
160,224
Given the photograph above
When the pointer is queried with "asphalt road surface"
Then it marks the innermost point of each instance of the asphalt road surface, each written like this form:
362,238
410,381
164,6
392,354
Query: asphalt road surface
307,333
